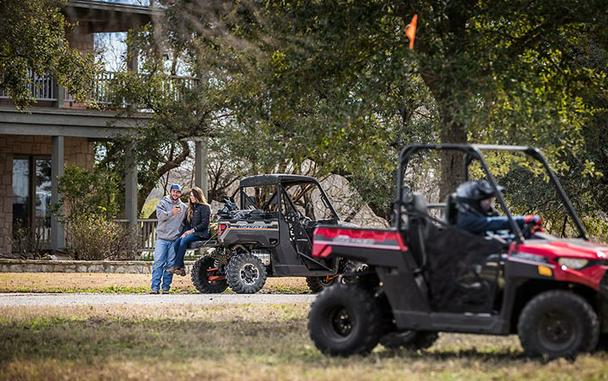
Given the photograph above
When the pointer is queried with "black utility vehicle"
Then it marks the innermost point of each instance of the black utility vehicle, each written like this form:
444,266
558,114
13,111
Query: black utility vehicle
268,234
425,275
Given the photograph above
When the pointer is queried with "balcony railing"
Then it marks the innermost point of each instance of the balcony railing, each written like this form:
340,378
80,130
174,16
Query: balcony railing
144,3
44,88
40,87
146,231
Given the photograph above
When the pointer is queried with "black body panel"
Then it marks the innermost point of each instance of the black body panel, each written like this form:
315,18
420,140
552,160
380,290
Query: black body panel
261,237
452,322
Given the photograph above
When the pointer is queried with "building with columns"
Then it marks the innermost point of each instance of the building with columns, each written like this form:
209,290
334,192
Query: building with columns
55,131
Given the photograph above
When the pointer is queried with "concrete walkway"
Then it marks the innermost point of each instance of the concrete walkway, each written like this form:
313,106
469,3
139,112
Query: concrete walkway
13,300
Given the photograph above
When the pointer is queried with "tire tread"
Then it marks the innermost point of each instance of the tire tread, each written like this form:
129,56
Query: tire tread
197,273
525,326
367,307
233,276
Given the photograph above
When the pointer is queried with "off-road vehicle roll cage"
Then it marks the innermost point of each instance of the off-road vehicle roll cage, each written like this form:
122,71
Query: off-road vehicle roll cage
280,181
474,152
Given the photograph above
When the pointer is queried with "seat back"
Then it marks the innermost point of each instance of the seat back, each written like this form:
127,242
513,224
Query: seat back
418,228
451,209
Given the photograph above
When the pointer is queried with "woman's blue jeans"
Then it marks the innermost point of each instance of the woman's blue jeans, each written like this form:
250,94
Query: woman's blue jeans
180,246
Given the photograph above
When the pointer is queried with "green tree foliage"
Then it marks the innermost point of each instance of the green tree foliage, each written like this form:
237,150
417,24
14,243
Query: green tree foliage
332,82
295,99
329,86
32,38
88,193
183,108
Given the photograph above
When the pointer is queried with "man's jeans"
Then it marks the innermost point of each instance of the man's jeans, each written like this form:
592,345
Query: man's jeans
162,253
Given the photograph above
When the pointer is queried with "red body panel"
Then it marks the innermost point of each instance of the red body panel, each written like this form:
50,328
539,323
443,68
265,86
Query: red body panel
590,276
326,237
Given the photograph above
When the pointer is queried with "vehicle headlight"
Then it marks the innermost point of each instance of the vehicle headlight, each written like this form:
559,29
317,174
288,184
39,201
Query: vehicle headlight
573,263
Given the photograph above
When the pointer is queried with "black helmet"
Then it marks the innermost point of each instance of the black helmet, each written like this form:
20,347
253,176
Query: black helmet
476,190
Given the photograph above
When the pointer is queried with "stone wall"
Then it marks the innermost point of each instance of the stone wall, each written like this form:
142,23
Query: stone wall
61,266
78,151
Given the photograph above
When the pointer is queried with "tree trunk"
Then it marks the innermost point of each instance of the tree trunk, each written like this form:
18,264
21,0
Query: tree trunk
452,162
452,131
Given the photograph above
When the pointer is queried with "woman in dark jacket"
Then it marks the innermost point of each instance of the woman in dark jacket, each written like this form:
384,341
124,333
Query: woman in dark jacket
195,228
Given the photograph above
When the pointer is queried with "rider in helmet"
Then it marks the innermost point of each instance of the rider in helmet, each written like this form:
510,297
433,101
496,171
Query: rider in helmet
476,212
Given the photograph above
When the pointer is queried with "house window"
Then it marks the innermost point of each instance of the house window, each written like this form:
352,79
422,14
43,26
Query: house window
31,203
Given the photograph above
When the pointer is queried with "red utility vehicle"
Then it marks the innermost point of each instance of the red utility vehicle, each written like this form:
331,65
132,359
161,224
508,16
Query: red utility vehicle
425,275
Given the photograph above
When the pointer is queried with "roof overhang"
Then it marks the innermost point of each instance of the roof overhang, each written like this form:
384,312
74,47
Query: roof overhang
273,179
61,122
101,16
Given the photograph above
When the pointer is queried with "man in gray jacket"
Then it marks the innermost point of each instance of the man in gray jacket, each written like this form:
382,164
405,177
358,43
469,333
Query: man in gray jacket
170,213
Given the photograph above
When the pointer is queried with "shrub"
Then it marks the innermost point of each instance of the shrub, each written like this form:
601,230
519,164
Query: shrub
91,237
90,202
28,243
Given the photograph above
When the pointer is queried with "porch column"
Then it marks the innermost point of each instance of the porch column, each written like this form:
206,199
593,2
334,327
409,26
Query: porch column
57,169
201,163
59,93
132,54
131,186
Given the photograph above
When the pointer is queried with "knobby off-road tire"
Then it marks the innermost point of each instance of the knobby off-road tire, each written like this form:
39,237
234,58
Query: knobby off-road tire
200,277
345,319
410,340
245,274
558,324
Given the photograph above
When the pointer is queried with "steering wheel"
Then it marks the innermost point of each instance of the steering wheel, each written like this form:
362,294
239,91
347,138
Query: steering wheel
304,220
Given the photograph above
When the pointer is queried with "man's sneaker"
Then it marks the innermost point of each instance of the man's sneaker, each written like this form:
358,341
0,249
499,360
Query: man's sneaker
165,291
154,292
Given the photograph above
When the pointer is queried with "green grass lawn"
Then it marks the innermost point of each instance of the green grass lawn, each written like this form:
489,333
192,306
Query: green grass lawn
251,342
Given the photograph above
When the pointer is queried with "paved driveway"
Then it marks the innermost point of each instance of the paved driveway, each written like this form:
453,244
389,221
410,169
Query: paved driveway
9,300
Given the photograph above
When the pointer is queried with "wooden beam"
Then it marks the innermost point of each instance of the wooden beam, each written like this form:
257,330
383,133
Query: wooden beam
131,186
57,170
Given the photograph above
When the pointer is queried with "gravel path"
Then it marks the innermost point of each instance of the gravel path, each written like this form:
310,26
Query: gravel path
11,300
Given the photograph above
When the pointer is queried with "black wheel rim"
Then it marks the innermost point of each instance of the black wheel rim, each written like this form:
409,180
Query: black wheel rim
556,330
249,274
341,321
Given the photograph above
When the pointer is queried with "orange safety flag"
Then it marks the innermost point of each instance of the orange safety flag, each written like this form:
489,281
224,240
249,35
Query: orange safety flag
410,31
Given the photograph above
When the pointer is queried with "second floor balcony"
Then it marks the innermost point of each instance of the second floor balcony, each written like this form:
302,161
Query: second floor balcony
46,92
